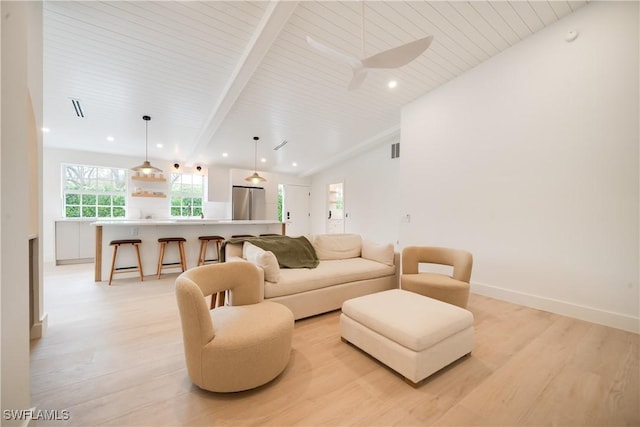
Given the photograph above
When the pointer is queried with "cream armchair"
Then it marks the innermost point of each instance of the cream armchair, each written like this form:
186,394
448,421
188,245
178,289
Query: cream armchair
235,347
452,289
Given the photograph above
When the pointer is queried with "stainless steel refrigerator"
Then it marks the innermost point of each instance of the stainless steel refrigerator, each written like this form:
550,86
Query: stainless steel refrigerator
248,203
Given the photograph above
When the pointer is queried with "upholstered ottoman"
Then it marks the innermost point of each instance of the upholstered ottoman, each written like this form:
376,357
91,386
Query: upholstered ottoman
412,334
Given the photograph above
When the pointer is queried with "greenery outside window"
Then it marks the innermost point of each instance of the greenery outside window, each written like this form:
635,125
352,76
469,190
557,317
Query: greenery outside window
187,193
94,191
280,201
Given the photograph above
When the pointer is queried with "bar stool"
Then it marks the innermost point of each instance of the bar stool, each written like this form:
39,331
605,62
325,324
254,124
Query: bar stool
270,235
217,299
236,236
204,243
164,241
116,244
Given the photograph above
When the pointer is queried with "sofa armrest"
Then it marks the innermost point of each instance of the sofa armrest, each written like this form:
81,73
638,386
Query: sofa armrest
379,252
396,263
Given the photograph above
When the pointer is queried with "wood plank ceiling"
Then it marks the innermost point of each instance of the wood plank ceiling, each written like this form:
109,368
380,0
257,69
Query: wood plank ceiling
213,74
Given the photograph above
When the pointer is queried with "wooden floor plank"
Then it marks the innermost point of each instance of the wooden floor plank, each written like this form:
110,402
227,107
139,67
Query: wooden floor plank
113,356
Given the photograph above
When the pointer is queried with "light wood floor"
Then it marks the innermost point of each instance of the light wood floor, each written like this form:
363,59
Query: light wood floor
113,356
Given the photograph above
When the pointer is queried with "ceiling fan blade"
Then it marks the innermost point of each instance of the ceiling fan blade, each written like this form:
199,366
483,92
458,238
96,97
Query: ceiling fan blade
398,56
358,78
352,61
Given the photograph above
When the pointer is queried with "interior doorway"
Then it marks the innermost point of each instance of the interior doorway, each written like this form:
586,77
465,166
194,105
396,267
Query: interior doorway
335,203
296,209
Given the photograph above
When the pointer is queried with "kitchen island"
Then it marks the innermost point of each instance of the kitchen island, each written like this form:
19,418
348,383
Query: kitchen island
149,230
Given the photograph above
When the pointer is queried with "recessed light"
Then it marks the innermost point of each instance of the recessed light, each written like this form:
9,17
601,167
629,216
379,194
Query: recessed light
294,164
225,154
110,139
392,84
263,160
159,145
45,130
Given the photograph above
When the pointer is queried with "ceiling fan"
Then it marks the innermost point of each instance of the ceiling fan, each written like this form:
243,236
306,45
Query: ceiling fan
391,58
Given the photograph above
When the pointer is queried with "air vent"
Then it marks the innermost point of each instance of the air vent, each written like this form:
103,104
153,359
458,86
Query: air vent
282,144
395,150
77,107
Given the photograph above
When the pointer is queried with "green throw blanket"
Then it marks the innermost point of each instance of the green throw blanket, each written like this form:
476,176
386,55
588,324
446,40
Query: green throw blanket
291,252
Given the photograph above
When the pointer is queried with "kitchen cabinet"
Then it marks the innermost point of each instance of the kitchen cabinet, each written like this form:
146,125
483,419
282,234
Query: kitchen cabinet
75,242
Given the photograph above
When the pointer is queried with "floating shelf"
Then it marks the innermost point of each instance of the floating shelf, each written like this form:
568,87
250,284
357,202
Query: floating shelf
148,178
161,195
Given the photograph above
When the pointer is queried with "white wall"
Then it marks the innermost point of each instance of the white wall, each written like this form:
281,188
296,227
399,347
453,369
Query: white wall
21,112
371,194
530,161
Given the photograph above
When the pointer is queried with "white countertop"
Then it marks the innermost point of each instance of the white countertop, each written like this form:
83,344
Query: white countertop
185,221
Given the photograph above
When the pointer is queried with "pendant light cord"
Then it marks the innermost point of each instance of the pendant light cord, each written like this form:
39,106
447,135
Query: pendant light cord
146,141
255,155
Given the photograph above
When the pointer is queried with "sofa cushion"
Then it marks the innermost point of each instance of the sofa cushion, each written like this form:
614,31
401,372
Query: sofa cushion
264,259
337,246
383,253
328,273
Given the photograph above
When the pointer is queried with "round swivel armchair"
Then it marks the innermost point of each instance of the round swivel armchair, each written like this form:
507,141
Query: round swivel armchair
235,347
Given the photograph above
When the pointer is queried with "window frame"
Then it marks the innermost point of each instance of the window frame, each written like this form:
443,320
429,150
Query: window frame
186,192
88,200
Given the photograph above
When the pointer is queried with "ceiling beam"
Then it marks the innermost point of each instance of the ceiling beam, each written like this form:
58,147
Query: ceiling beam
273,21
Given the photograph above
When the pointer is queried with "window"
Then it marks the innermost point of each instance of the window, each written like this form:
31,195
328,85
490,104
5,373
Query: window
280,201
94,192
186,192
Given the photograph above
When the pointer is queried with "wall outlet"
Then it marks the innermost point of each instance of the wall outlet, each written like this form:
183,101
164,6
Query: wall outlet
134,231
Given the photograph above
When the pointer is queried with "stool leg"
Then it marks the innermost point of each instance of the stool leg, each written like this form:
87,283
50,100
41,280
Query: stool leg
183,260
137,246
218,248
203,252
160,258
113,262
217,299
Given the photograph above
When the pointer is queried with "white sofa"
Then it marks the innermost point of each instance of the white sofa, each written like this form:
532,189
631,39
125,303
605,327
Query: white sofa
348,267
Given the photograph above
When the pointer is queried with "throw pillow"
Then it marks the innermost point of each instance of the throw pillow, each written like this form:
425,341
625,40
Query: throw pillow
378,252
264,259
337,246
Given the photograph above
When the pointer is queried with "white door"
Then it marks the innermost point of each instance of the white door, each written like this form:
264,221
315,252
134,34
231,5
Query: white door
335,211
296,210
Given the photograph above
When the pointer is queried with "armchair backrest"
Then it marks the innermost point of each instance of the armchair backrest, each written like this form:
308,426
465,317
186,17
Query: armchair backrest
242,279
461,261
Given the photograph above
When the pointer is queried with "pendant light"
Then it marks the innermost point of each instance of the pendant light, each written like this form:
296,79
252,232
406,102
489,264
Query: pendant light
146,167
255,178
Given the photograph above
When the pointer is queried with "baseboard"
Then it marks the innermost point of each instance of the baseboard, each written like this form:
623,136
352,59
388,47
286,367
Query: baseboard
74,261
589,314
40,328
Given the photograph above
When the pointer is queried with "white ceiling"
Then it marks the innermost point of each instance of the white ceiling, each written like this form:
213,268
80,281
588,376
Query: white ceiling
214,74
